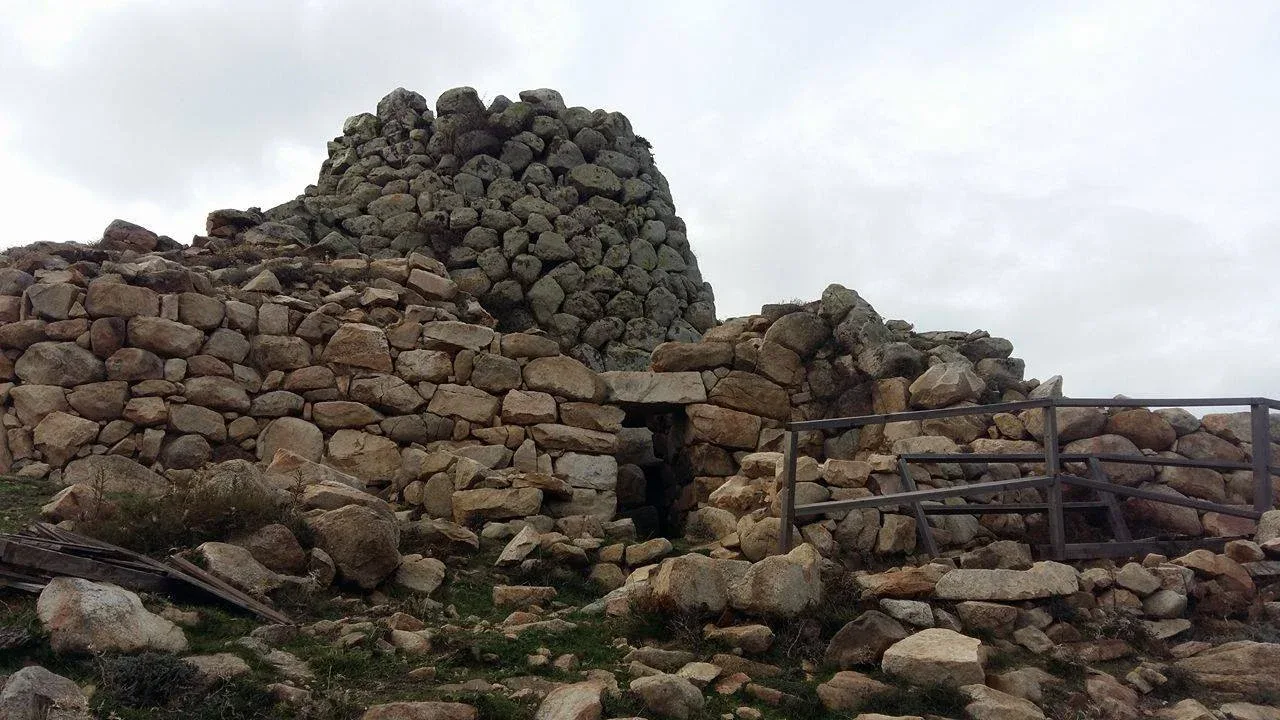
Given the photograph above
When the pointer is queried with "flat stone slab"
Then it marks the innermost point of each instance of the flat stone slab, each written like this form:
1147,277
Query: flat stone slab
1044,579
651,388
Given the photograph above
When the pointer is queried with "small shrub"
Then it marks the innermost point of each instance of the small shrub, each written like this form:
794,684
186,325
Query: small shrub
1126,626
292,274
238,699
918,700
656,619
189,514
1065,667
144,681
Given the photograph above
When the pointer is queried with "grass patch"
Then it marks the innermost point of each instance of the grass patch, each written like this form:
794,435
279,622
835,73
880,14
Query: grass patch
918,700
20,501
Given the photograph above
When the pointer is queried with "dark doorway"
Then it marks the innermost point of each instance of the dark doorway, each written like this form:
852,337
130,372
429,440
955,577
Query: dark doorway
654,480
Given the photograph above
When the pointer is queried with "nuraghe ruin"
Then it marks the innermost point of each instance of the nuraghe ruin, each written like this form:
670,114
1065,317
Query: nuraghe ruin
491,319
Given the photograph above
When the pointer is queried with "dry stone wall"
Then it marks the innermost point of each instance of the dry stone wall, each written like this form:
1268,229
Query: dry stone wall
554,217
836,358
106,379
381,361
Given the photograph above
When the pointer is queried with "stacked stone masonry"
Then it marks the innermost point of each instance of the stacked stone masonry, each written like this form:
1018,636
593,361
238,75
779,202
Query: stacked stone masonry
382,361
553,217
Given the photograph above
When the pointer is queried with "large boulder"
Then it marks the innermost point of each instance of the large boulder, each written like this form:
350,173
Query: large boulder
1123,473
668,695
1244,667
1145,429
370,457
236,566
781,585
293,434
655,388
564,376
1074,423
751,393
219,393
695,583
59,435
167,338
990,704
364,544
936,657
114,474
359,345
59,363
495,504
722,426
114,299
575,701
849,690
671,357
946,384
802,332
419,574
276,547
88,617
124,235
863,640
421,710
34,693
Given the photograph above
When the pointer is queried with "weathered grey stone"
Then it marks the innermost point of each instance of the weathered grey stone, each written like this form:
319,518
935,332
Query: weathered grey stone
1044,579
105,299
58,363
363,543
936,656
359,345
165,337
649,388
88,617
945,384
34,693
293,434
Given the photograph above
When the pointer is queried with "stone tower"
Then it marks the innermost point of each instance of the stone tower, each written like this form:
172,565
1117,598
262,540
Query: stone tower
552,217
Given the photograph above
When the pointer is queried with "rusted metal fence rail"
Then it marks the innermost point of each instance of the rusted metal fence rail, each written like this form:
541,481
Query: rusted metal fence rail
1051,481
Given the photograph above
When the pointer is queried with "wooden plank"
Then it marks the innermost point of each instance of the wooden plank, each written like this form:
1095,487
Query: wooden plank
1159,497
1057,520
789,492
1133,548
861,420
877,501
1114,515
197,577
179,570
1155,402
922,521
1158,461
974,457
1260,438
1014,407
1007,508
56,563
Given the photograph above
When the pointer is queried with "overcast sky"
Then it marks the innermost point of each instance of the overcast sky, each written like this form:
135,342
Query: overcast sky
1098,182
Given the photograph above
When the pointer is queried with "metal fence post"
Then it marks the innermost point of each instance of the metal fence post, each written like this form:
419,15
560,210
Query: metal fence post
788,492
1260,437
1057,529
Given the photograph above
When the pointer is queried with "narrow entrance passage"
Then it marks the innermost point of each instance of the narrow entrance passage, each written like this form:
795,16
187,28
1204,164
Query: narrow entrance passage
654,481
